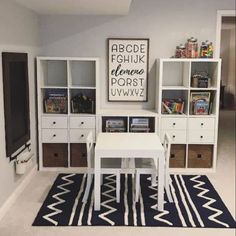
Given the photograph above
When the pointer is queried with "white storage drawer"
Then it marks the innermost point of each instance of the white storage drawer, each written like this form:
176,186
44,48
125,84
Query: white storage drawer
82,122
173,123
177,136
202,123
201,136
80,135
54,136
54,122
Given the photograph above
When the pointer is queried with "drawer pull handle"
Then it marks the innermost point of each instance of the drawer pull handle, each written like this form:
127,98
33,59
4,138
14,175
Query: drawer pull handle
54,122
83,155
201,136
172,155
202,124
54,135
174,124
82,123
199,155
82,135
55,154
173,136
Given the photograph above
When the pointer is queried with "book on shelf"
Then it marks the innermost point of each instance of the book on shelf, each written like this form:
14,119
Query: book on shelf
200,103
55,101
173,106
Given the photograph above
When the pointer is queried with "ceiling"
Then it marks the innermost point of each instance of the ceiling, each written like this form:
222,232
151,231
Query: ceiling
77,7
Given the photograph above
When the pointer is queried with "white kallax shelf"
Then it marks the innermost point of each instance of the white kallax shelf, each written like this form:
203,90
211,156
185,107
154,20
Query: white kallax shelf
197,140
61,133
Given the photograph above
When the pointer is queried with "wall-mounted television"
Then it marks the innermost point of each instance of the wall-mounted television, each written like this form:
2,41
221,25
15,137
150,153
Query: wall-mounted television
16,100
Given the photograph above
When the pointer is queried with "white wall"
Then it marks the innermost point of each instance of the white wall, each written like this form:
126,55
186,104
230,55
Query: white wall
166,22
19,33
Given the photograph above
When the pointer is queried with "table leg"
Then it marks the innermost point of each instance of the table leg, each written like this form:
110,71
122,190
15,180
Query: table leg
97,185
161,172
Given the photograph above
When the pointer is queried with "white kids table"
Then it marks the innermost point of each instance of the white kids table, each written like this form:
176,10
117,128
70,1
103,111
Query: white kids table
129,145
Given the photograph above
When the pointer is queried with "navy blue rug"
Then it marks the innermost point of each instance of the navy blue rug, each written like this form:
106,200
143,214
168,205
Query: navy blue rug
196,204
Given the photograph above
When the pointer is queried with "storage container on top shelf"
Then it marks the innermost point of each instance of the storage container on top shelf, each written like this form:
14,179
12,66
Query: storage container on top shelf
82,73
53,73
175,74
209,69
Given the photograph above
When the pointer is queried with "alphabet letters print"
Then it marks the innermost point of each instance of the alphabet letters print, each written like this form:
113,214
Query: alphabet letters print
128,69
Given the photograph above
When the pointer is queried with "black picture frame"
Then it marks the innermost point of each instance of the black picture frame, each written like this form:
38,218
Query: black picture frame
145,76
16,100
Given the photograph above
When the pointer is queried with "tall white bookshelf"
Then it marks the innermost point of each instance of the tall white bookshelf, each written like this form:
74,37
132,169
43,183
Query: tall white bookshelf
194,135
62,132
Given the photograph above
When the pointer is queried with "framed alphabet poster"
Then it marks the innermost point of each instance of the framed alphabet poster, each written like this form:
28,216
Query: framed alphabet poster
128,69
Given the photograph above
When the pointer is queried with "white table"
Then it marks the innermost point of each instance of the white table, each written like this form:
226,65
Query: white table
129,145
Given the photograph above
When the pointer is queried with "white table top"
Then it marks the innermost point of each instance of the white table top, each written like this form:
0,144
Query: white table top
128,144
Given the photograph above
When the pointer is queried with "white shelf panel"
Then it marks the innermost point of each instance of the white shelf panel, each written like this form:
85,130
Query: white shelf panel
118,112
81,114
189,60
54,114
204,89
174,115
174,88
81,87
54,87
202,116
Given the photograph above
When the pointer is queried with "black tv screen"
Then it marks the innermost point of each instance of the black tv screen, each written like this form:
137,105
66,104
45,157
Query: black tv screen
16,100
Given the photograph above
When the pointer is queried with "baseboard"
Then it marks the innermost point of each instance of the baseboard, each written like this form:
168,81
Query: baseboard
12,198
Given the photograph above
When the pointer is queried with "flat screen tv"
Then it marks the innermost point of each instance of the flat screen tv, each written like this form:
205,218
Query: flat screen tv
16,100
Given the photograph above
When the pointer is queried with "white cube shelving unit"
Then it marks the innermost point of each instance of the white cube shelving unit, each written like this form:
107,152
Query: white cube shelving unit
195,134
62,134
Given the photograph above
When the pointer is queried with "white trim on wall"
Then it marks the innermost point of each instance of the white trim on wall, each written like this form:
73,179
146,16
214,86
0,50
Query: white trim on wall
220,15
12,198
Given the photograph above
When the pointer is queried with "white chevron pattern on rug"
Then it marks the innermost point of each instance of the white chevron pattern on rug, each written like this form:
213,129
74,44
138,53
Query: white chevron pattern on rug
52,207
159,216
111,198
210,202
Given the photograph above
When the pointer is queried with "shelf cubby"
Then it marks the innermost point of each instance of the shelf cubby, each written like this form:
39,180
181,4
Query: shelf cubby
54,100
83,101
82,73
137,122
114,124
210,68
212,101
176,74
176,94
53,73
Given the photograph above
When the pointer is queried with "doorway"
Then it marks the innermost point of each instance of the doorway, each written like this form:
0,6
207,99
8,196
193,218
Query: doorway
225,49
227,53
